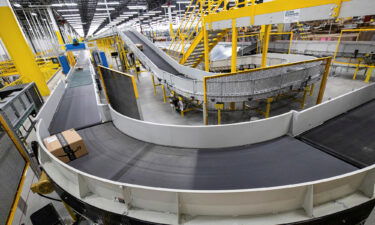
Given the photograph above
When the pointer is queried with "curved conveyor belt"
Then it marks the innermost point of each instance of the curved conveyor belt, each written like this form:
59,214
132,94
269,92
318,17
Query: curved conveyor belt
283,161
349,136
116,156
152,55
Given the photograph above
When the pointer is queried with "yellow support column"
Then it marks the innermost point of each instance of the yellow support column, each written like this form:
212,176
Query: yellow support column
268,107
266,39
368,74
234,47
303,100
324,81
219,107
206,48
153,83
18,48
356,71
312,87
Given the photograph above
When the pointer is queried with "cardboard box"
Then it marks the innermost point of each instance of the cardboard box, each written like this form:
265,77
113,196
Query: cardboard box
66,146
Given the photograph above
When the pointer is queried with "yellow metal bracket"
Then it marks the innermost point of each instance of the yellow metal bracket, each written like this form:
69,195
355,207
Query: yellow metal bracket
336,10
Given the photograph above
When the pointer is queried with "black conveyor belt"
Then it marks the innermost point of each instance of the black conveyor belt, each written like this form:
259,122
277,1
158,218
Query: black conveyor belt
349,137
116,156
77,108
152,55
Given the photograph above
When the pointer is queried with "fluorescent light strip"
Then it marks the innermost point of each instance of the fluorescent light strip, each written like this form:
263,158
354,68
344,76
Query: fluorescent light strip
109,3
100,14
129,13
105,9
67,10
70,15
64,4
137,7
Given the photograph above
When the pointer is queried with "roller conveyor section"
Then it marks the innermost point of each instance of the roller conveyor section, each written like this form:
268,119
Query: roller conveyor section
77,108
152,55
349,137
116,156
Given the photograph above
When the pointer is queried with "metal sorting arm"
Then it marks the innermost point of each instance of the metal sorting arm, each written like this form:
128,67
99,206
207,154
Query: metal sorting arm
169,205
235,87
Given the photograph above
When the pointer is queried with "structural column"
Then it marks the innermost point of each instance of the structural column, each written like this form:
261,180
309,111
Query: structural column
16,44
234,47
266,40
56,28
206,48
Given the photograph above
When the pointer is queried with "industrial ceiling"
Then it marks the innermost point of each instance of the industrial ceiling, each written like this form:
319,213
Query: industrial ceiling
88,17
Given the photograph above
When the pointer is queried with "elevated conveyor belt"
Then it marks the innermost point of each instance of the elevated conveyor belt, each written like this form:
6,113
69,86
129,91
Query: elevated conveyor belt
78,107
349,136
116,156
152,55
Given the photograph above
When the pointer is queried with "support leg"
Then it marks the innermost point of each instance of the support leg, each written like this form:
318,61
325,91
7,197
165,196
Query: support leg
324,81
368,74
356,72
268,107
312,87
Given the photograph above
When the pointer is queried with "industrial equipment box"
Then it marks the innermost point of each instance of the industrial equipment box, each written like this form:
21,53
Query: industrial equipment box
66,146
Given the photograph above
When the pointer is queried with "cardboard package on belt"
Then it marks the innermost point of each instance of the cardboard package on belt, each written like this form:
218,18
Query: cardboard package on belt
66,146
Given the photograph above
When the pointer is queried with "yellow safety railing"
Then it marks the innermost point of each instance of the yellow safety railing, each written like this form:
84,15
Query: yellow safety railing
360,61
191,23
47,66
328,61
13,83
291,36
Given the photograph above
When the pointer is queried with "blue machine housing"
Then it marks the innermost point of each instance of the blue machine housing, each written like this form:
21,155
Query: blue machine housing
64,64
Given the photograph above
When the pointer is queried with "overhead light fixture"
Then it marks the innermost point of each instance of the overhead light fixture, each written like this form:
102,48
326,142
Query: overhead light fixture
17,5
63,4
67,10
105,9
166,6
70,15
129,13
101,14
183,2
108,3
157,11
33,14
137,7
